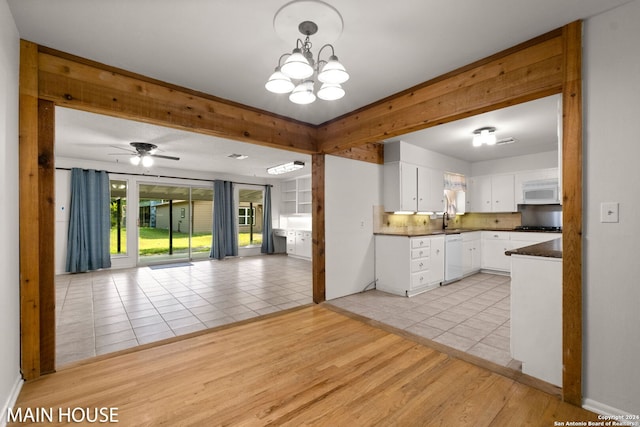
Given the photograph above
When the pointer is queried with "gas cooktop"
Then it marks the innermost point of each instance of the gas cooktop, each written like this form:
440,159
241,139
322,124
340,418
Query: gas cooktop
539,228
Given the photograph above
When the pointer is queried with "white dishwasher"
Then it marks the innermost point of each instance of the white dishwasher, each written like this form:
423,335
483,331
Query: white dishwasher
452,258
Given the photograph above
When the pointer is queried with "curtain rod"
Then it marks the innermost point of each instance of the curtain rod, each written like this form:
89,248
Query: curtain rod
172,177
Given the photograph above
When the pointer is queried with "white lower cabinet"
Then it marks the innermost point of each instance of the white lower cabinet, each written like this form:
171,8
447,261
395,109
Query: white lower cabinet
299,243
496,243
409,265
437,259
471,252
536,316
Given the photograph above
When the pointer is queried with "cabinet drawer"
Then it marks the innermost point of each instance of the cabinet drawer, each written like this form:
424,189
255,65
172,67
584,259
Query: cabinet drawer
419,279
496,235
420,242
419,253
421,264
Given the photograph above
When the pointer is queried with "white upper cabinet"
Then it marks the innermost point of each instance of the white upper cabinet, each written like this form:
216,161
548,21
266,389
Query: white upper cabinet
400,187
503,193
412,188
436,201
491,193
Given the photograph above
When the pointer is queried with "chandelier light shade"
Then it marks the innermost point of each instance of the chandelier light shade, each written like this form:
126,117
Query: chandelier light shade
484,136
296,75
297,66
333,71
135,160
330,91
279,82
303,93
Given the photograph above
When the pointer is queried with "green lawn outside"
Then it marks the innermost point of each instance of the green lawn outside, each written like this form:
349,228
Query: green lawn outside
156,241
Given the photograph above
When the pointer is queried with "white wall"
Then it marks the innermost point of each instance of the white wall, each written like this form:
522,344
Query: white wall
10,380
403,151
611,174
352,188
545,160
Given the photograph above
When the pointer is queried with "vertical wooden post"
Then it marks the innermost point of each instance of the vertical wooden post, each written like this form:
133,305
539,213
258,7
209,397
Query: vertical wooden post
29,212
318,227
572,214
46,206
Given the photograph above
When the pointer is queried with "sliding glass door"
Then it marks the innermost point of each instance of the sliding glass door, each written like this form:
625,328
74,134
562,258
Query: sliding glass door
250,214
174,223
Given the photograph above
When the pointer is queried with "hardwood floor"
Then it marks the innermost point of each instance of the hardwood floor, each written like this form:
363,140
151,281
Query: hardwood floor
307,366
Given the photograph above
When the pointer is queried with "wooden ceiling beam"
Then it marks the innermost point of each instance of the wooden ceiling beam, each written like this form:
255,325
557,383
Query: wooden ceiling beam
89,86
528,71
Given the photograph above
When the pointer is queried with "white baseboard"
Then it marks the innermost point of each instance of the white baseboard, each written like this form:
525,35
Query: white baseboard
11,400
602,409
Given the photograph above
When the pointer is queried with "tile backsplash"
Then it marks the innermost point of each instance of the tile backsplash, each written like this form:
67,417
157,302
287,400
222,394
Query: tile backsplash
388,222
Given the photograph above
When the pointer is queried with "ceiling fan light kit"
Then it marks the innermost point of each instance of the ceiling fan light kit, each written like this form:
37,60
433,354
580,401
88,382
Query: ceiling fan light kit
295,76
144,154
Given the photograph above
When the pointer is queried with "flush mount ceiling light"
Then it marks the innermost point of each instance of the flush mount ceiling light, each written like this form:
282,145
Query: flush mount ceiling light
298,73
485,135
286,167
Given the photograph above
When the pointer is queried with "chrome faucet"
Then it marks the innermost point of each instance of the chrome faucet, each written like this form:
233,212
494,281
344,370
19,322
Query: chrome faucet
445,220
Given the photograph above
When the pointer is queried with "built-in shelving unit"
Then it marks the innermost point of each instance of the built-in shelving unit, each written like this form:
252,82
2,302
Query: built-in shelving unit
296,195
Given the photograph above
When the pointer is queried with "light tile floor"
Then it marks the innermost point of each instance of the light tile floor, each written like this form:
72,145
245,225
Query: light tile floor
471,315
106,311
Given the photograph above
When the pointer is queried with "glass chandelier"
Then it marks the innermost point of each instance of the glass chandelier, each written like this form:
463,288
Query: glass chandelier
295,76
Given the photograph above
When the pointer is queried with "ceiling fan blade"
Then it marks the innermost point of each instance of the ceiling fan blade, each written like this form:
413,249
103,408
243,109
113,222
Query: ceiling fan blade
122,148
164,157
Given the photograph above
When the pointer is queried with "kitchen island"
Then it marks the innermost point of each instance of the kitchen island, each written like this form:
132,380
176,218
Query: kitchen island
536,309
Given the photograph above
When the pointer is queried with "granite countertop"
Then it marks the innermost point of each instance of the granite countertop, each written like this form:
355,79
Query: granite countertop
550,249
437,232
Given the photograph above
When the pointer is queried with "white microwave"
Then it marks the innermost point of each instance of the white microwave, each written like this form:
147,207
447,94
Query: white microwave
541,192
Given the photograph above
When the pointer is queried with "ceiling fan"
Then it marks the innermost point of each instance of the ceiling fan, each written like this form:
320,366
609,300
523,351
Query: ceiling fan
144,153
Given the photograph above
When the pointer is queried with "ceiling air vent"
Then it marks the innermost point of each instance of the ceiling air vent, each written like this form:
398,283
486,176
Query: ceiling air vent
504,141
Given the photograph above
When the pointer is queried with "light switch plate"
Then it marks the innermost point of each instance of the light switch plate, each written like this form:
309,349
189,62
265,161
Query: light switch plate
609,212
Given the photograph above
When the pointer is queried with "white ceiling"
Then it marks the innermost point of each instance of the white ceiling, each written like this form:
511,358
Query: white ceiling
229,48
82,135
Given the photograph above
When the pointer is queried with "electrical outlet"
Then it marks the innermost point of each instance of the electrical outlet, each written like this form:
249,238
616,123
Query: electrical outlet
609,212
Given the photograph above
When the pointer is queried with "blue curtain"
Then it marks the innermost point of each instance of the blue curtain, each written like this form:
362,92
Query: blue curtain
225,239
89,221
267,232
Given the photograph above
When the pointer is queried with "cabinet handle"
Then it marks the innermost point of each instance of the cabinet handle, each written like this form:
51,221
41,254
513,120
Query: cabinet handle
437,251
421,265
